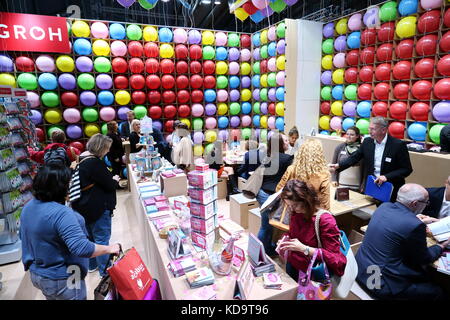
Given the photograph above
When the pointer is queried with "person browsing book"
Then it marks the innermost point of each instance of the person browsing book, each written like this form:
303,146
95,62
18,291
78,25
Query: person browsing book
439,206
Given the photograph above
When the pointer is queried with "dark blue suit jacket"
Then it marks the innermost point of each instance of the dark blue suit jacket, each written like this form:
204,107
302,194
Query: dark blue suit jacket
255,156
436,198
395,241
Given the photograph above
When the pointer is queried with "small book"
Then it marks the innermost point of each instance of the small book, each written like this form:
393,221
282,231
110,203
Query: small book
176,248
151,209
244,282
342,194
272,281
257,256
180,267
440,229
382,192
168,174
149,202
200,277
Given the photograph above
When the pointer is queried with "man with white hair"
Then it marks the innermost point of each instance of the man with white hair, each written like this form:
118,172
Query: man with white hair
393,257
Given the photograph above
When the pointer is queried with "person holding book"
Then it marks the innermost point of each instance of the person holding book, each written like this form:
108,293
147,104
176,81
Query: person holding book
439,206
395,249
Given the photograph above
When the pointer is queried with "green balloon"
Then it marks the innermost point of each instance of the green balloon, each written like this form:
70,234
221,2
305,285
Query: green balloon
222,82
146,5
278,5
246,133
363,125
140,111
256,67
134,32
327,46
256,107
89,114
325,93
102,64
263,135
208,53
27,81
233,40
197,124
69,28
388,11
350,92
272,79
281,30
209,147
86,81
50,99
435,133
235,108
263,52
53,128
263,94
334,133
104,129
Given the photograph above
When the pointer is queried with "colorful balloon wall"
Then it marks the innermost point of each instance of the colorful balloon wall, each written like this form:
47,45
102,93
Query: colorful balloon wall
399,70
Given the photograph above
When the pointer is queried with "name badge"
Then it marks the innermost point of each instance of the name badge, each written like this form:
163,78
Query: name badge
343,152
388,159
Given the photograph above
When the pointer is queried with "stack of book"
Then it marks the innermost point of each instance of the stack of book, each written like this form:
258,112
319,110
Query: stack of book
444,264
180,267
272,281
200,277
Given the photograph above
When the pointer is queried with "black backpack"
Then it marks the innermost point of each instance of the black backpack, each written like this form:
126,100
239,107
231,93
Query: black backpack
56,155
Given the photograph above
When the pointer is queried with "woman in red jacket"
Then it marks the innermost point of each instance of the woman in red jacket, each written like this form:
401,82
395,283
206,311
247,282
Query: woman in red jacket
303,205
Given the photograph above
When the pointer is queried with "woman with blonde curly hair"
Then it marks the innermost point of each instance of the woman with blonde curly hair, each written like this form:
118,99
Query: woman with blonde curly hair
310,166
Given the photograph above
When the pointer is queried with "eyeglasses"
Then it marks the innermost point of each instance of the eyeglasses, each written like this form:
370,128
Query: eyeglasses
426,202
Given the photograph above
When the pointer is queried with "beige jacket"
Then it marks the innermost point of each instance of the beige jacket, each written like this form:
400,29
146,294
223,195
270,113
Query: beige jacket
182,152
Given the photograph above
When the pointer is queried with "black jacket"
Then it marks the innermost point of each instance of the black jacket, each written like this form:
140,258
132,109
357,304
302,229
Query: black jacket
436,197
116,151
275,170
444,138
134,140
252,160
395,163
125,129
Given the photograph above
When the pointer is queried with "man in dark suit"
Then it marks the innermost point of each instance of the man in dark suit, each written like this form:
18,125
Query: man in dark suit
385,157
439,206
126,125
393,256
252,159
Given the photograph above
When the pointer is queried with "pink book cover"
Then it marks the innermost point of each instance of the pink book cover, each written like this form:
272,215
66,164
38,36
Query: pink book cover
168,174
149,202
160,198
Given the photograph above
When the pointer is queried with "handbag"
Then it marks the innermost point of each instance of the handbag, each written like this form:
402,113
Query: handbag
314,290
106,290
254,183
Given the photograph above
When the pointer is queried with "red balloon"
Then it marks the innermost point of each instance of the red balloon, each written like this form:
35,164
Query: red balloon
151,65
367,55
182,82
235,133
381,91
366,74
397,130
151,50
402,70
324,107
365,91
427,45
447,18
195,67
181,51
181,67
443,66
40,134
246,41
137,81
153,81
442,89
429,21
154,97
120,82
195,52
138,97
422,90
249,8
398,110
352,57
263,66
209,82
424,68
444,44
69,99
75,144
368,37
197,96
136,65
351,75
168,126
135,49
168,81
119,65
183,96
272,109
380,109
184,111
401,90
386,32
170,111
196,81
167,66
419,111
155,112
209,67
404,49
384,52
383,72
169,96
24,64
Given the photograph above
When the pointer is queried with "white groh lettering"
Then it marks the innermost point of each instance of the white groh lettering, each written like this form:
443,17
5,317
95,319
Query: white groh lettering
33,33
4,34
58,34
19,30
135,273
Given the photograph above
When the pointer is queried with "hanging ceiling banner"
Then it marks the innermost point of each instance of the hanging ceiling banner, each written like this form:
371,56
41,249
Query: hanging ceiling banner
29,32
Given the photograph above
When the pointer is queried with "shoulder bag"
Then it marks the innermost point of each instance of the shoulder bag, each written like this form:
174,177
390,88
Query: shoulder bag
254,183
313,290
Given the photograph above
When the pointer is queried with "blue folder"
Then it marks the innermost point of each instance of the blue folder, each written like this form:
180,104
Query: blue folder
382,193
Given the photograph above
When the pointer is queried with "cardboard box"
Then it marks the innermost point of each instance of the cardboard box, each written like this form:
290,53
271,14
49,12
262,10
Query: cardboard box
203,240
202,167
204,211
174,186
204,226
230,227
222,188
239,207
180,201
203,196
202,179
254,221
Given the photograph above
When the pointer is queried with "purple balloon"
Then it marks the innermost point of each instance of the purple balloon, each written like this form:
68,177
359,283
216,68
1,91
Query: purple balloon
290,2
104,81
74,131
6,64
268,11
36,117
256,94
157,124
264,108
272,94
223,135
281,46
350,108
257,133
198,137
328,30
233,54
246,82
235,121
126,3
88,98
122,113
325,78
67,81
210,109
234,95
84,64
256,54
194,37
441,111
340,43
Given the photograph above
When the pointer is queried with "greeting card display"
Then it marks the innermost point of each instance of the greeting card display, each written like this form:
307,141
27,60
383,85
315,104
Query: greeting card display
244,282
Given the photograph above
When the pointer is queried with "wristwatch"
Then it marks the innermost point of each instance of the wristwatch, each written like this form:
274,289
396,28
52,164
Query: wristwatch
306,251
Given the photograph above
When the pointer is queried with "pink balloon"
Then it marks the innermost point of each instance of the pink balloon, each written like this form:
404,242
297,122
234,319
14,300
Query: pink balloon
245,55
354,23
336,123
222,95
233,68
260,4
271,122
71,115
280,78
197,110
430,4
107,114
210,123
272,34
221,39
272,64
118,48
180,35
339,60
246,121
99,30
33,98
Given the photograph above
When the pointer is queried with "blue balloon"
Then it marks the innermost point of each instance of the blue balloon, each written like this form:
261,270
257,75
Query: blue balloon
256,39
223,122
82,47
105,98
165,35
48,81
364,108
279,123
347,123
257,17
117,31
326,133
246,107
107,161
234,82
256,81
210,95
337,92
408,7
417,131
272,49
221,53
125,173
256,121
280,94
354,40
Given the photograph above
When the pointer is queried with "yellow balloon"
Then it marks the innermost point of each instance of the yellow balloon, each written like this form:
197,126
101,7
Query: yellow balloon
122,97
208,37
338,76
80,29
210,136
263,80
150,33
222,109
264,37
240,14
327,62
221,67
263,121
101,48
166,51
65,63
245,68
187,122
246,94
324,122
7,80
281,62
336,108
198,150
279,109
341,26
53,116
406,27
91,129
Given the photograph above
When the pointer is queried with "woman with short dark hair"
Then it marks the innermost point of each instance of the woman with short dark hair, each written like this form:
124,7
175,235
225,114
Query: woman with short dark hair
54,238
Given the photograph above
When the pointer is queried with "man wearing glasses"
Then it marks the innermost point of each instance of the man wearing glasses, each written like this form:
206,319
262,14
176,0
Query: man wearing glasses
439,206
